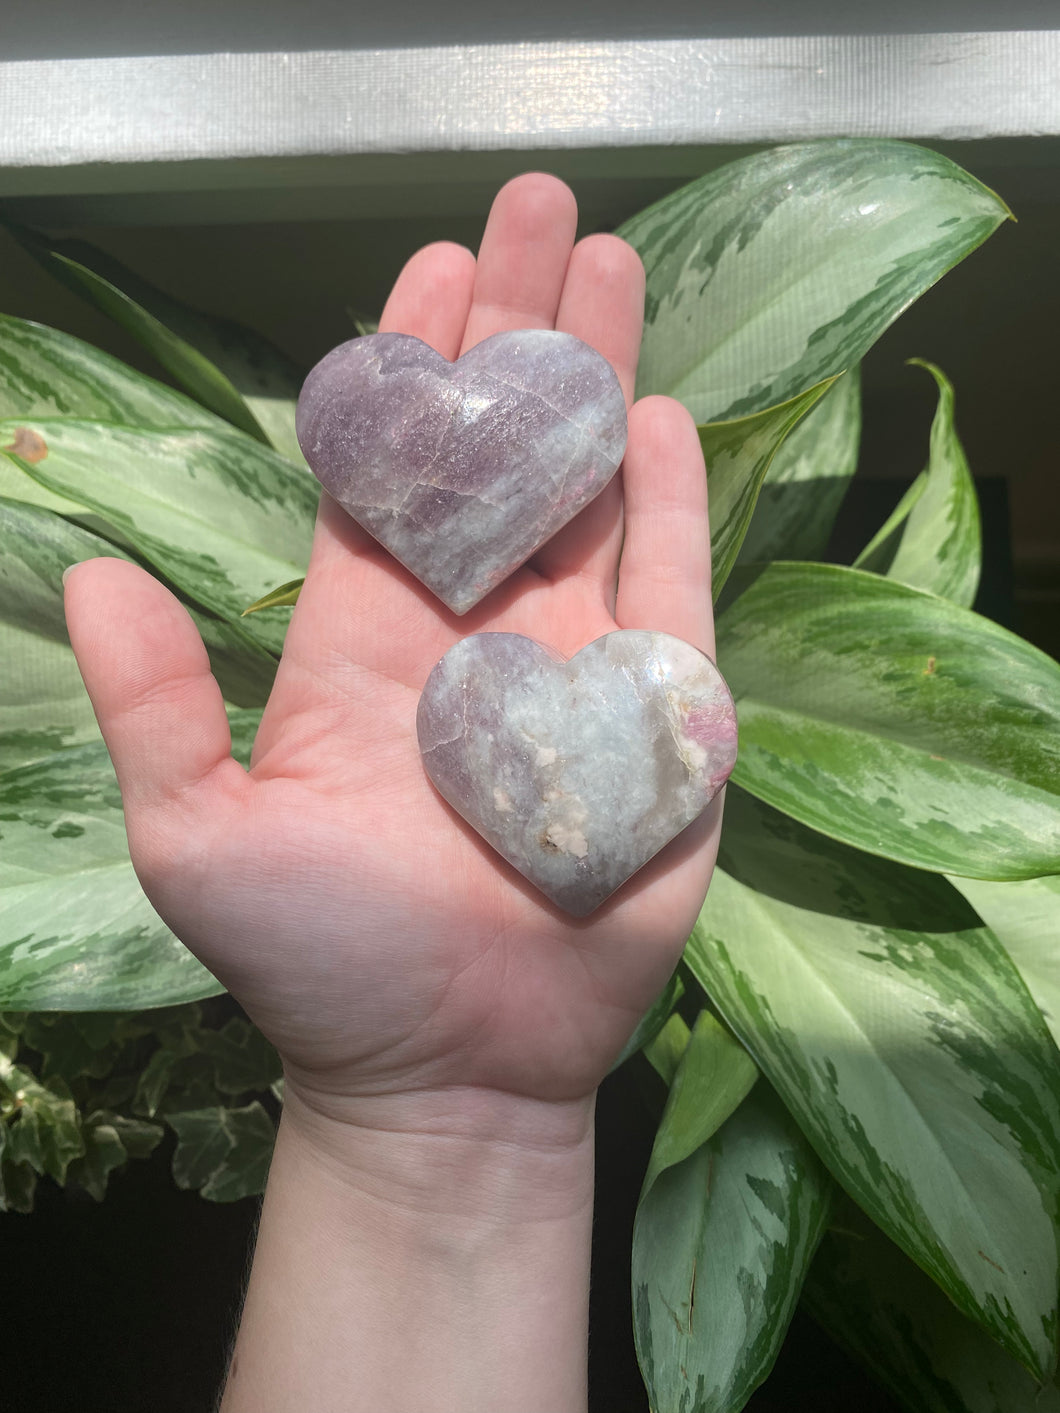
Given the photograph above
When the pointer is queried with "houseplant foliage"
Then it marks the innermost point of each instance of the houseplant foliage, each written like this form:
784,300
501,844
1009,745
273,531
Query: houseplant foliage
859,1102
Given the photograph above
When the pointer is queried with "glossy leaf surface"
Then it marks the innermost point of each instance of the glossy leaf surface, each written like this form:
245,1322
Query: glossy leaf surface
45,373
782,269
808,478
221,516
230,370
889,1316
901,1038
737,456
896,721
76,932
933,540
721,1244
1025,917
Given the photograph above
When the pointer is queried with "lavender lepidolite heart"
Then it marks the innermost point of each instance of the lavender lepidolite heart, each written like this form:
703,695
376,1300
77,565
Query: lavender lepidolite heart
462,470
577,772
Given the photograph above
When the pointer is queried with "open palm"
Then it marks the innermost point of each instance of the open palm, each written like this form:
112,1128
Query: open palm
377,942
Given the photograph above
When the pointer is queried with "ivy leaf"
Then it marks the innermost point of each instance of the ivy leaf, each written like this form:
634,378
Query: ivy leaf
225,1153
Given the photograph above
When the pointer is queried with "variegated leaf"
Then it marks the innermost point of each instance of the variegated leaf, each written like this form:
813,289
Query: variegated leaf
895,720
721,1244
76,931
1025,917
899,1035
44,373
737,456
932,540
875,1303
223,517
43,703
224,367
779,270
807,479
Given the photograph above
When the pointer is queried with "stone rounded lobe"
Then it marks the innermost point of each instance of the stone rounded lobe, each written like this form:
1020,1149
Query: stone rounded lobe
577,772
462,470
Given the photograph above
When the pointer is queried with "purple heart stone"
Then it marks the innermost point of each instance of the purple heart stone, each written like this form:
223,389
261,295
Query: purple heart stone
577,772
462,470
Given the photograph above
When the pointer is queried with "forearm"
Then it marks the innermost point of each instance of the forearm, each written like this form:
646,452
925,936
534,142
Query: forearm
421,1271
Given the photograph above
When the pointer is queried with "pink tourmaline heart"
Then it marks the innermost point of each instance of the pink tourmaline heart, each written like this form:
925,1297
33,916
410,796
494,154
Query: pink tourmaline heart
462,470
577,772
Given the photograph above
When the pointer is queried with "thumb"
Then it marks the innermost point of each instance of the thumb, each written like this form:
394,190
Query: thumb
148,675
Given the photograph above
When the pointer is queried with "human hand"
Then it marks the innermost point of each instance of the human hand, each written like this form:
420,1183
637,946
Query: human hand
381,946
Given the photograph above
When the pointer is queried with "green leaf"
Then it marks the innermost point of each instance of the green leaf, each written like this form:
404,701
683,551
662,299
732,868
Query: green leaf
714,1077
281,597
889,1316
219,515
104,1153
932,540
1025,917
665,1049
653,1021
243,1058
43,703
902,1040
784,268
76,932
44,1131
721,1243
44,373
225,1153
737,456
808,478
227,368
896,721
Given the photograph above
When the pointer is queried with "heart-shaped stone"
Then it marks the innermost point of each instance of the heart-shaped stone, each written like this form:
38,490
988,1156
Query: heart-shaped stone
462,470
577,772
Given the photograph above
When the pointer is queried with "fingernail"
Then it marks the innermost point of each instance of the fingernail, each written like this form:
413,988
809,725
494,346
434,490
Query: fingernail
69,569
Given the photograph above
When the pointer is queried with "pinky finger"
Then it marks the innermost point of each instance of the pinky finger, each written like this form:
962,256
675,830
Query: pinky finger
664,574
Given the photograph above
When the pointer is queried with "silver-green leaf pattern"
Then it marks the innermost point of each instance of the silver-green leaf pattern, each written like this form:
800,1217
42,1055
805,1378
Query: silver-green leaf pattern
1025,917
876,1303
774,272
737,456
895,720
45,373
933,540
223,517
226,368
76,931
808,478
901,1038
721,1244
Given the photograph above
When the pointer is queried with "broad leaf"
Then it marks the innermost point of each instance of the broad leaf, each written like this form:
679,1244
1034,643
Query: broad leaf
43,703
225,367
779,270
222,517
721,1244
44,373
1025,917
653,1020
896,721
76,932
887,1314
932,540
902,1040
808,478
713,1078
737,456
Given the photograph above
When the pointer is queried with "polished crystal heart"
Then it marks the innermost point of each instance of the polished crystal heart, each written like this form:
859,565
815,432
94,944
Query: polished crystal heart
462,470
577,772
